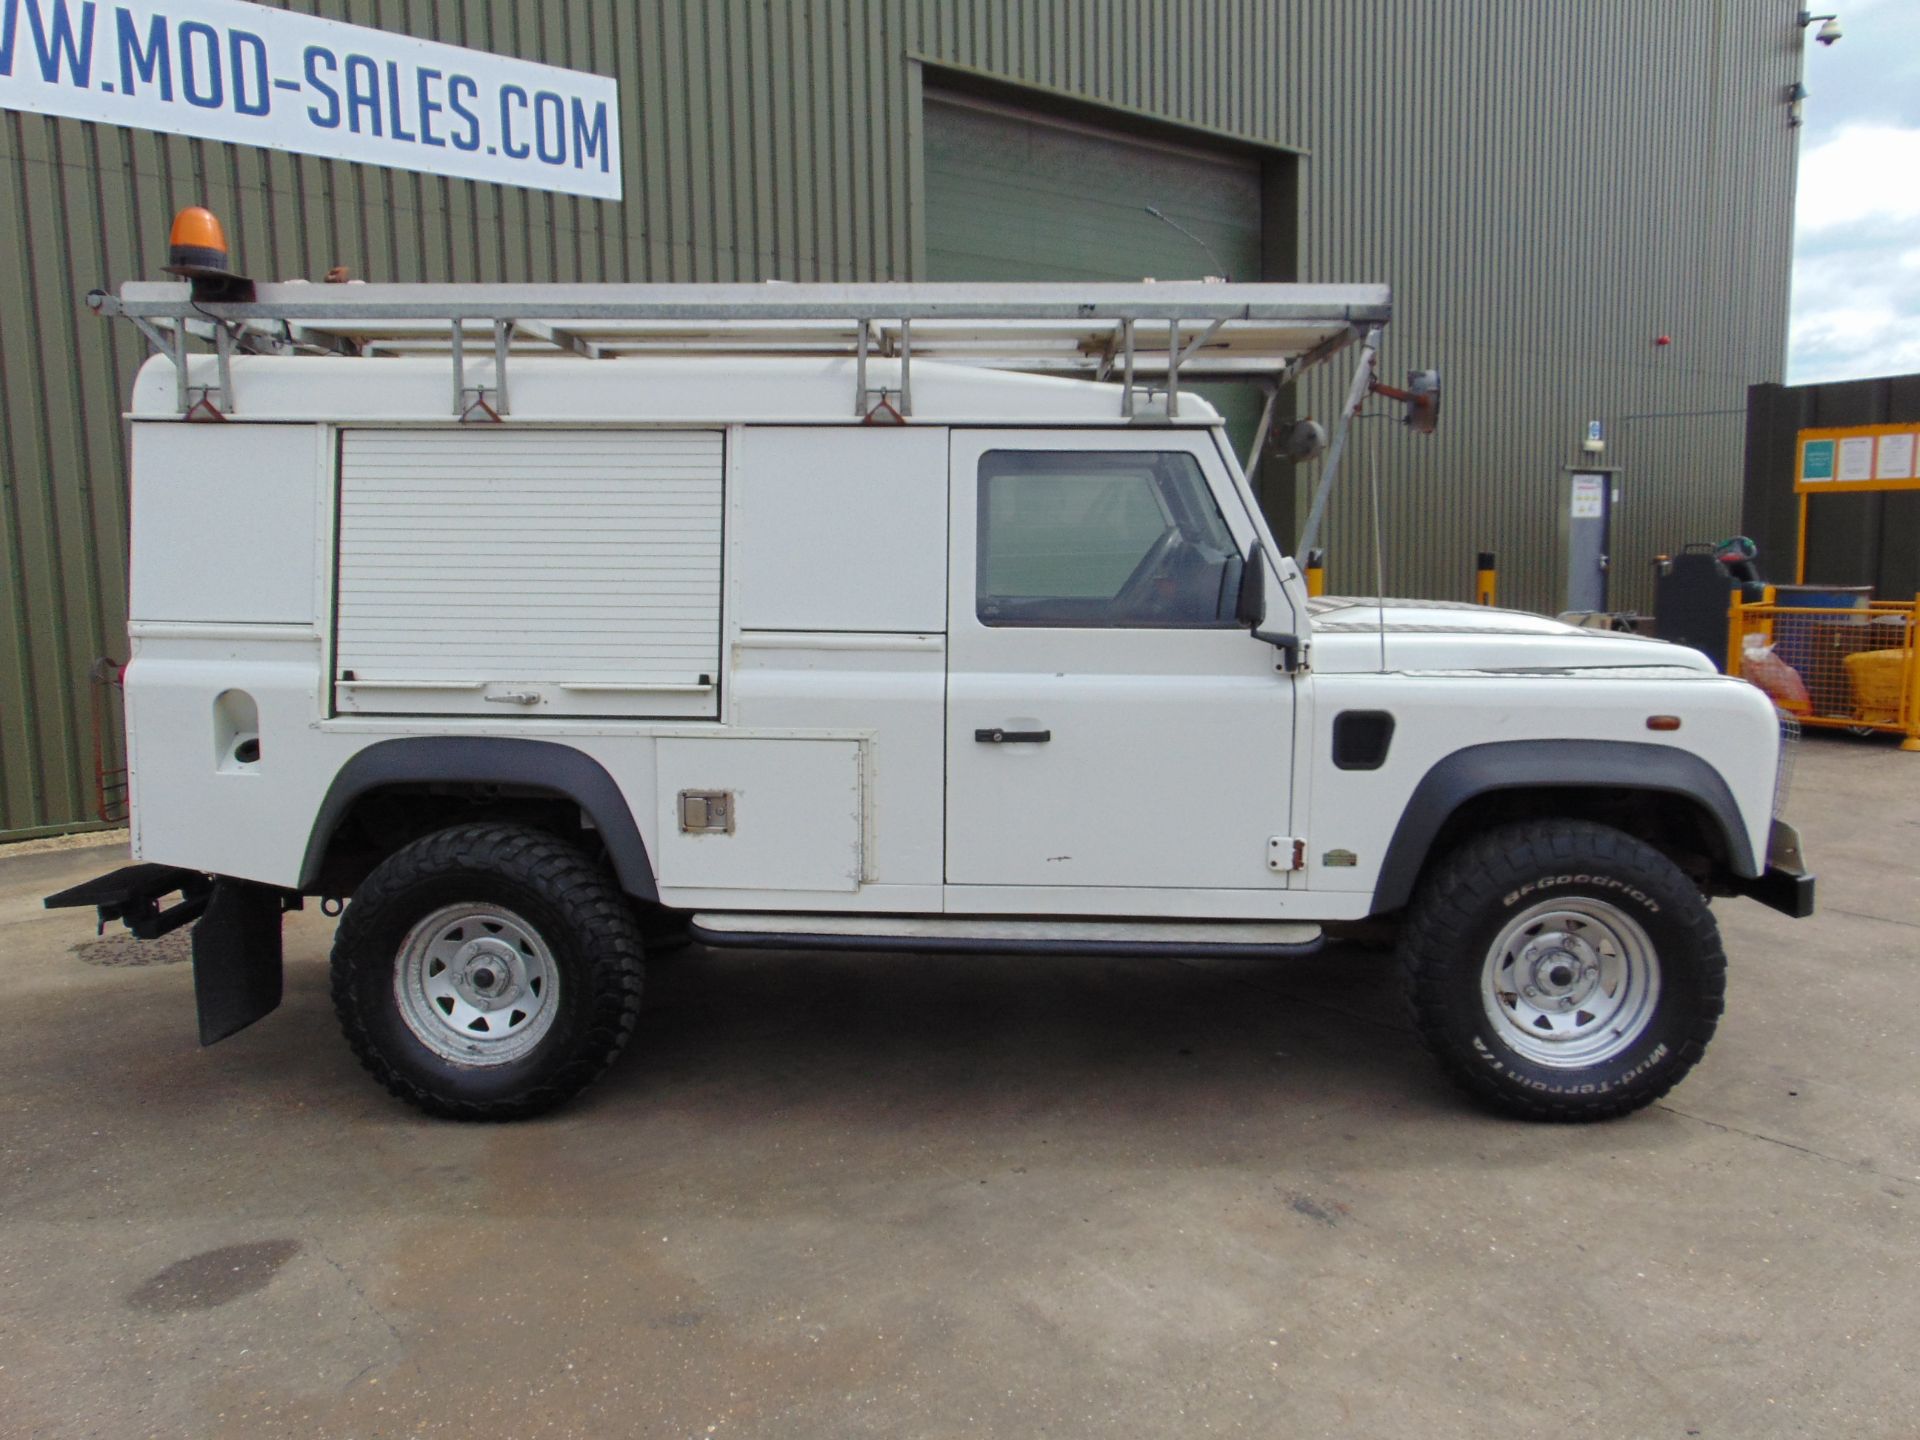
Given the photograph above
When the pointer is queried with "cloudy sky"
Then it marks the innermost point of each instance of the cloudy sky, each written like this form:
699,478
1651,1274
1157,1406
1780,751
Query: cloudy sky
1856,271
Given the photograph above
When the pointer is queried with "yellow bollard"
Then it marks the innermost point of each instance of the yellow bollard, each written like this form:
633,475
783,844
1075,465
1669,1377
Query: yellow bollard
1316,572
1486,580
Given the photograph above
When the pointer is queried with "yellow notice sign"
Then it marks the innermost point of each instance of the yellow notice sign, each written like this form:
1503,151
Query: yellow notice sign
1859,457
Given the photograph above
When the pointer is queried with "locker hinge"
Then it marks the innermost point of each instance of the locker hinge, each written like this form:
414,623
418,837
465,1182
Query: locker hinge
1286,852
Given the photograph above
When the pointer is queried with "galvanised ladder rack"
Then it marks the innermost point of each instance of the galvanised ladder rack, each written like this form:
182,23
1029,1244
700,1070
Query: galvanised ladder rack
1150,337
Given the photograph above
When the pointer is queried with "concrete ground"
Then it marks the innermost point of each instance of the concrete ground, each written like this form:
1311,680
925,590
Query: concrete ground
876,1196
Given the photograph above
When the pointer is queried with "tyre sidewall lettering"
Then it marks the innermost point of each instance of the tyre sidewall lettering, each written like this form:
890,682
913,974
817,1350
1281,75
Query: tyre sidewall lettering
1607,886
1534,1079
1477,894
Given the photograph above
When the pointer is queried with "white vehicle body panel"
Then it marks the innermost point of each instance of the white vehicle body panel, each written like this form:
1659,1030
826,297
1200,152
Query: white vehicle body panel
778,789
828,569
832,536
1439,713
1094,806
891,691
199,484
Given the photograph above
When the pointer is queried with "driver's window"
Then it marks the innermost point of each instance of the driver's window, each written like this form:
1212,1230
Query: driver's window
1102,538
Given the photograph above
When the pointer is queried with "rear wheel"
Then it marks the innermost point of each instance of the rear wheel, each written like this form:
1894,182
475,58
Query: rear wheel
1563,970
487,972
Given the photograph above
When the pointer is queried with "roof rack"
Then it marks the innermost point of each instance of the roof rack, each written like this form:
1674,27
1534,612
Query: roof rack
1148,336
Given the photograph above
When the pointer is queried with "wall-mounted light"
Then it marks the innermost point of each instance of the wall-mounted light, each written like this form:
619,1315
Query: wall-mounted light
1829,31
1796,103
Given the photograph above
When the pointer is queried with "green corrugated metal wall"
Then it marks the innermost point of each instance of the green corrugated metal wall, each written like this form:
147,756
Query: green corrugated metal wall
1548,187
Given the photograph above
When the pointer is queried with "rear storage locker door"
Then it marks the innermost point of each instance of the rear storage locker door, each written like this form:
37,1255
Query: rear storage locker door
529,572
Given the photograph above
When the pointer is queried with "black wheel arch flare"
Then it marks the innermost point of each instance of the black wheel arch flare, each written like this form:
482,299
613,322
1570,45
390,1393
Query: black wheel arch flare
489,760
1612,765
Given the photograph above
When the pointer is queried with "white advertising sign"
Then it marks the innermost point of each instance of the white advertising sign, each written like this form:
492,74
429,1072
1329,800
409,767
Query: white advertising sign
1856,458
228,70
1893,460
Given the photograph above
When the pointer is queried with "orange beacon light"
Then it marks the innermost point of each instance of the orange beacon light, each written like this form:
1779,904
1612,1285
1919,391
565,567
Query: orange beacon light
196,245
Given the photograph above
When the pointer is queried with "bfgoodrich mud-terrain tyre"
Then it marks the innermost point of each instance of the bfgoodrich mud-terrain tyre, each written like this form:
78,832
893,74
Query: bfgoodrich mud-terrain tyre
487,972
1563,970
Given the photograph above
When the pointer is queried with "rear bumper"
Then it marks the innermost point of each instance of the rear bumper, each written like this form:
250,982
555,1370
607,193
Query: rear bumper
133,894
1785,884
236,944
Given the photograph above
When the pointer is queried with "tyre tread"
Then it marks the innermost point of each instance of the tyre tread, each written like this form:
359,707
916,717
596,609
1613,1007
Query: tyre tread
1441,920
575,885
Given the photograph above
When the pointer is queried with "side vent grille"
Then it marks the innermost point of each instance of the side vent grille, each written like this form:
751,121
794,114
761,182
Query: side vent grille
1361,739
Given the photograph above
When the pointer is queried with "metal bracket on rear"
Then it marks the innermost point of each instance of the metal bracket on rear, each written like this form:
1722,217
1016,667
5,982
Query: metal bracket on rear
207,402
875,405
470,402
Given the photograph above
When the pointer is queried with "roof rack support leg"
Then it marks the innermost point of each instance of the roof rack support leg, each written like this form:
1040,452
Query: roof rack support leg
180,364
906,367
1173,369
1126,345
159,342
1259,446
1187,352
459,345
1356,397
223,351
860,373
501,330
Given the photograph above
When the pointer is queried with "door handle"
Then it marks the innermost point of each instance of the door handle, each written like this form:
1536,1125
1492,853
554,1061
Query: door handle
1013,737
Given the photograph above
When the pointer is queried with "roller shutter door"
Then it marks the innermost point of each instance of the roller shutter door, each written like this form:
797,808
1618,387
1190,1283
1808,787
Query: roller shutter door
532,572
1014,196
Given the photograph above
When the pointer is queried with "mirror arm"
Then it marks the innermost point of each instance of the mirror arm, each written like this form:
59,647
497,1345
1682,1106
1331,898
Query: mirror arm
1287,644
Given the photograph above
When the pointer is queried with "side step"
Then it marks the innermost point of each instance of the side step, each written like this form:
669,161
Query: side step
967,935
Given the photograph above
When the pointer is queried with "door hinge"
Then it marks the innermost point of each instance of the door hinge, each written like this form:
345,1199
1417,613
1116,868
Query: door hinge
1286,852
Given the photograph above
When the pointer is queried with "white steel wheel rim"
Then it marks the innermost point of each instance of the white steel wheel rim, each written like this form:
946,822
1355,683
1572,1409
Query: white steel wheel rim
1571,982
476,985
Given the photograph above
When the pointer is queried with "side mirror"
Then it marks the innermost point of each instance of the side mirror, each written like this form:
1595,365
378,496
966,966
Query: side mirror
1250,609
1250,605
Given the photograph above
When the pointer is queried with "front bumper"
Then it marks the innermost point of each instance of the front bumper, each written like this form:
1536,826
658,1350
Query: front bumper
1785,884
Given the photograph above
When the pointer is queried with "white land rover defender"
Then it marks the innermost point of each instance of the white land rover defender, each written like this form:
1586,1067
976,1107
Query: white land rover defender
531,623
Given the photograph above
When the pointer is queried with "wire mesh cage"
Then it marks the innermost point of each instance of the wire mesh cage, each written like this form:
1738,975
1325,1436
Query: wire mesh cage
1848,668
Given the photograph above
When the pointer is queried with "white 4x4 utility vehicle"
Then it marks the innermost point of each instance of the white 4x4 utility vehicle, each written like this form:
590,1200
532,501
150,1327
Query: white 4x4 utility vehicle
535,623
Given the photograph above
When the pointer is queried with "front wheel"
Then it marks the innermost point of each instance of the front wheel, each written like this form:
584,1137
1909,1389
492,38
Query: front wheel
1563,970
487,972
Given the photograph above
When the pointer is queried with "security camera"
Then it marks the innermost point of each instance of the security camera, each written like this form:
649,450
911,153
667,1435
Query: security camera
1829,32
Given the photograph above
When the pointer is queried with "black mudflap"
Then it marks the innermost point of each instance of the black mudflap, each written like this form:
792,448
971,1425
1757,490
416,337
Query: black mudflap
236,957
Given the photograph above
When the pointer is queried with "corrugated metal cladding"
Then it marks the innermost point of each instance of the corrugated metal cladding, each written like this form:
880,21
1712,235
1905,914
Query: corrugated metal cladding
1547,187
1863,538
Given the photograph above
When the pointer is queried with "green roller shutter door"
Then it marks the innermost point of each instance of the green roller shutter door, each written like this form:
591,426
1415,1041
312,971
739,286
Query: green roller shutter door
1012,196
